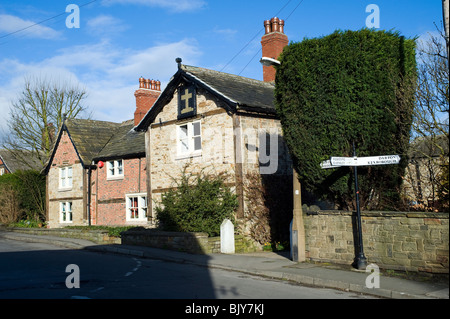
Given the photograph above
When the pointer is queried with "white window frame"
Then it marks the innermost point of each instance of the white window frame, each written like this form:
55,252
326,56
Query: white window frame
115,169
65,207
66,177
136,207
187,140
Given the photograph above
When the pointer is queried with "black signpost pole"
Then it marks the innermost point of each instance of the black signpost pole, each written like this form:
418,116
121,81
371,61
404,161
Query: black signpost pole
361,261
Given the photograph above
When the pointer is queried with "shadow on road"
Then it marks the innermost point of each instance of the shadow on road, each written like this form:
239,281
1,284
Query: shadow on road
38,271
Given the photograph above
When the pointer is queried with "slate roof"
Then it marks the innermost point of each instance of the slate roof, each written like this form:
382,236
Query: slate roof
238,92
101,140
15,163
125,143
90,136
424,147
245,92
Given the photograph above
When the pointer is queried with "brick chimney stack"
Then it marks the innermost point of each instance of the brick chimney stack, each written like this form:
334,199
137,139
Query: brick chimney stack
146,96
272,42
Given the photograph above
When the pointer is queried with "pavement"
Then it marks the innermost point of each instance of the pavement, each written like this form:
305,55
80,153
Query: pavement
271,265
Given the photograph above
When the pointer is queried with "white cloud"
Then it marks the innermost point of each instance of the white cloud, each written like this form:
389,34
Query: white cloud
171,5
9,24
108,73
104,25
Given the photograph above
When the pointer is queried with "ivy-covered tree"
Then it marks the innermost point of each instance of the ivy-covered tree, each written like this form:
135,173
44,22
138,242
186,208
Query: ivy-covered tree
349,86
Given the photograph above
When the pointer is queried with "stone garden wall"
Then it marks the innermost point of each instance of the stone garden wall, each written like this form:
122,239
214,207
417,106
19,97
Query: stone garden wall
197,243
393,240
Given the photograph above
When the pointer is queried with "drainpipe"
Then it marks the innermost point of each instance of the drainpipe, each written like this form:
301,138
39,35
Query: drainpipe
89,195
89,190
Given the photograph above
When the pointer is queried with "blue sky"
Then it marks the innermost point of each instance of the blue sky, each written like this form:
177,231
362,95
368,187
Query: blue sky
120,40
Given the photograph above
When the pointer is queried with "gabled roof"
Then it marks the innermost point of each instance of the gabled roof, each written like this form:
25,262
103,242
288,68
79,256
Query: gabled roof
96,140
89,136
19,160
427,147
239,93
125,143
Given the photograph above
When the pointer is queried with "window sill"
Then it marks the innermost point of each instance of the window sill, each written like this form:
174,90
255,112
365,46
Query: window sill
188,155
65,189
114,178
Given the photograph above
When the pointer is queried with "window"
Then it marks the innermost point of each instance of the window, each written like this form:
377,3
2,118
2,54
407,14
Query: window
65,212
115,169
65,177
189,139
136,207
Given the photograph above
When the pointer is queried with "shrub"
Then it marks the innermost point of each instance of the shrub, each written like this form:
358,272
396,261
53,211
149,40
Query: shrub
22,196
198,203
350,86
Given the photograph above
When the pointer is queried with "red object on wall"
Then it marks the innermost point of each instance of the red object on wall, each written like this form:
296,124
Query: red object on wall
100,164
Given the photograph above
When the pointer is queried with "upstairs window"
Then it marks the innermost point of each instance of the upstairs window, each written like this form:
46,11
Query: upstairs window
114,169
189,139
65,177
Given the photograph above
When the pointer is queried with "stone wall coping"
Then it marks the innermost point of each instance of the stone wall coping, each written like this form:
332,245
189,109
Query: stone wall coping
57,230
381,214
156,232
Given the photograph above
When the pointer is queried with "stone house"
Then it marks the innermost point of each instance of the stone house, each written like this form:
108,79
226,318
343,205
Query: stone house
96,172
215,122
427,157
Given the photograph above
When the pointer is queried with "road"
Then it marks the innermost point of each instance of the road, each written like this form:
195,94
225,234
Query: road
37,270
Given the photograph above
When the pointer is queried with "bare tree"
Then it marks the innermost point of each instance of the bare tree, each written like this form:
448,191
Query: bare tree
36,115
431,121
432,94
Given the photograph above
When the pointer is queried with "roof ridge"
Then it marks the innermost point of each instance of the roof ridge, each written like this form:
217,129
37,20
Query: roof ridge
186,68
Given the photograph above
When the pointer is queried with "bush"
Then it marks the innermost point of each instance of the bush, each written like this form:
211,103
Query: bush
199,203
350,86
22,196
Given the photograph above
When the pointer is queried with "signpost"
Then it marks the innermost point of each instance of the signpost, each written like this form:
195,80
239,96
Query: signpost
336,162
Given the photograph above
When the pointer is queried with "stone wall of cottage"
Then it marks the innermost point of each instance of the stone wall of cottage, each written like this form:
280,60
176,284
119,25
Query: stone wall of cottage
217,154
109,195
420,180
265,154
65,156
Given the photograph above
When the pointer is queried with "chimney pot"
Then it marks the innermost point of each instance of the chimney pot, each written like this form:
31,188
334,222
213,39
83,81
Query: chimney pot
146,96
275,26
267,26
281,26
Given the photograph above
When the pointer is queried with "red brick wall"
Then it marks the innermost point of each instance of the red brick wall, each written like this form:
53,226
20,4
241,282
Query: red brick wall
272,46
145,98
109,194
65,152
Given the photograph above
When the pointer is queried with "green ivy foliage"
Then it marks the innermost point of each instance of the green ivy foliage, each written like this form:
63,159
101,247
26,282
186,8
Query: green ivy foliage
198,203
349,86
